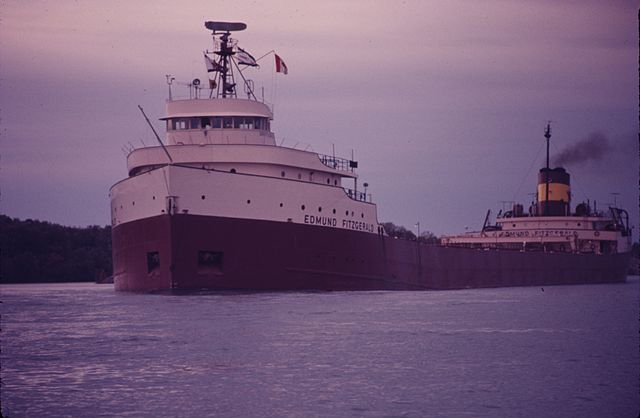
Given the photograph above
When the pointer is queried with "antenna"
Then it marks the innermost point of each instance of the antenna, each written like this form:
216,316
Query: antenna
170,79
156,134
615,198
547,134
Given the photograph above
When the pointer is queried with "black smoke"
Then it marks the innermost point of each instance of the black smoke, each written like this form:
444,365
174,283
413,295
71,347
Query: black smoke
593,148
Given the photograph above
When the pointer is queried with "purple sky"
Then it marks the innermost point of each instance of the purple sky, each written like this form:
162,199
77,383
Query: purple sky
443,102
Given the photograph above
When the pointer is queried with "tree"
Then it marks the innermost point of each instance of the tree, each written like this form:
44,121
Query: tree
35,251
398,231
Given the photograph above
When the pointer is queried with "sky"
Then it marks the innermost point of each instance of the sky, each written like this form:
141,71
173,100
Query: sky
443,103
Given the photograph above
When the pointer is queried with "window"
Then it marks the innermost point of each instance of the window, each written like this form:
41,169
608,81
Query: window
195,123
247,123
153,261
205,122
216,122
227,122
180,124
210,260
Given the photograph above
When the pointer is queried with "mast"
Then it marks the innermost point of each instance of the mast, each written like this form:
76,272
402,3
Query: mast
223,80
547,134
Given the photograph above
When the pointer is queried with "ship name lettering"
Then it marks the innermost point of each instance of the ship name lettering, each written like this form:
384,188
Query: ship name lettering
356,225
320,220
537,234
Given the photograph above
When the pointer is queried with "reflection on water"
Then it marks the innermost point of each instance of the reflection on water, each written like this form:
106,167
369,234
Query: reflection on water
83,349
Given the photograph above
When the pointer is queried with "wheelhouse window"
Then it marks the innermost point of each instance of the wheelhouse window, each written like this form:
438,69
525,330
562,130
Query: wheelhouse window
218,122
195,123
179,124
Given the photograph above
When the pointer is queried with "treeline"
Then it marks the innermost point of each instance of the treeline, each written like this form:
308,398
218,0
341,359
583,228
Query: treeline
398,231
36,251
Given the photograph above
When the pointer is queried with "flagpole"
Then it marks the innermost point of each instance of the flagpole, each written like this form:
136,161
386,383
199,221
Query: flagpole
270,52
244,79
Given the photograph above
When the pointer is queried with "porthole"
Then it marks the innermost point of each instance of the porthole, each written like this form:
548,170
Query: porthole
335,182
328,181
352,213
319,208
233,170
281,205
302,207
154,198
514,225
299,176
346,213
248,201
282,174
133,203
579,224
202,197
362,215
334,211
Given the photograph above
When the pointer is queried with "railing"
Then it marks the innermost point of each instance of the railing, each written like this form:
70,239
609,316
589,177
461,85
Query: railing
356,195
338,163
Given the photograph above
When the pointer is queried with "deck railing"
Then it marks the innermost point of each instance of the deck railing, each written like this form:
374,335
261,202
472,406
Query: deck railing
357,195
338,163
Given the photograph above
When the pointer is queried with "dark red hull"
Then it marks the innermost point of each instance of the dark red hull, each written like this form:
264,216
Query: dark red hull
188,252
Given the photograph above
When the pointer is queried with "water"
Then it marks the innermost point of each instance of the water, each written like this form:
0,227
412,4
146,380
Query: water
85,350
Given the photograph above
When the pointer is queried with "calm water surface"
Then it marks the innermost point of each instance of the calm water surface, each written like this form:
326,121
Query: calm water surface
85,350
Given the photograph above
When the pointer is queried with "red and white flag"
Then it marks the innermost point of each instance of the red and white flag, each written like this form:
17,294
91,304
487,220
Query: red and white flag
281,67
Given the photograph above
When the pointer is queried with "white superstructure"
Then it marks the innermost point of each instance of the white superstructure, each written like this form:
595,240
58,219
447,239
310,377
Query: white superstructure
221,159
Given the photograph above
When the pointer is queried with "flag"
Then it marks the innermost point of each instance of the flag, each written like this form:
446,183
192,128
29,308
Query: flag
211,64
281,67
245,58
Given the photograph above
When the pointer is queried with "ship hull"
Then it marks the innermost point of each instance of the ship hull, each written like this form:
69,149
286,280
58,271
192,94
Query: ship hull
192,252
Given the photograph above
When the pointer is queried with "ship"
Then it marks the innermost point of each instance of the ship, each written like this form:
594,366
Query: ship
219,205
